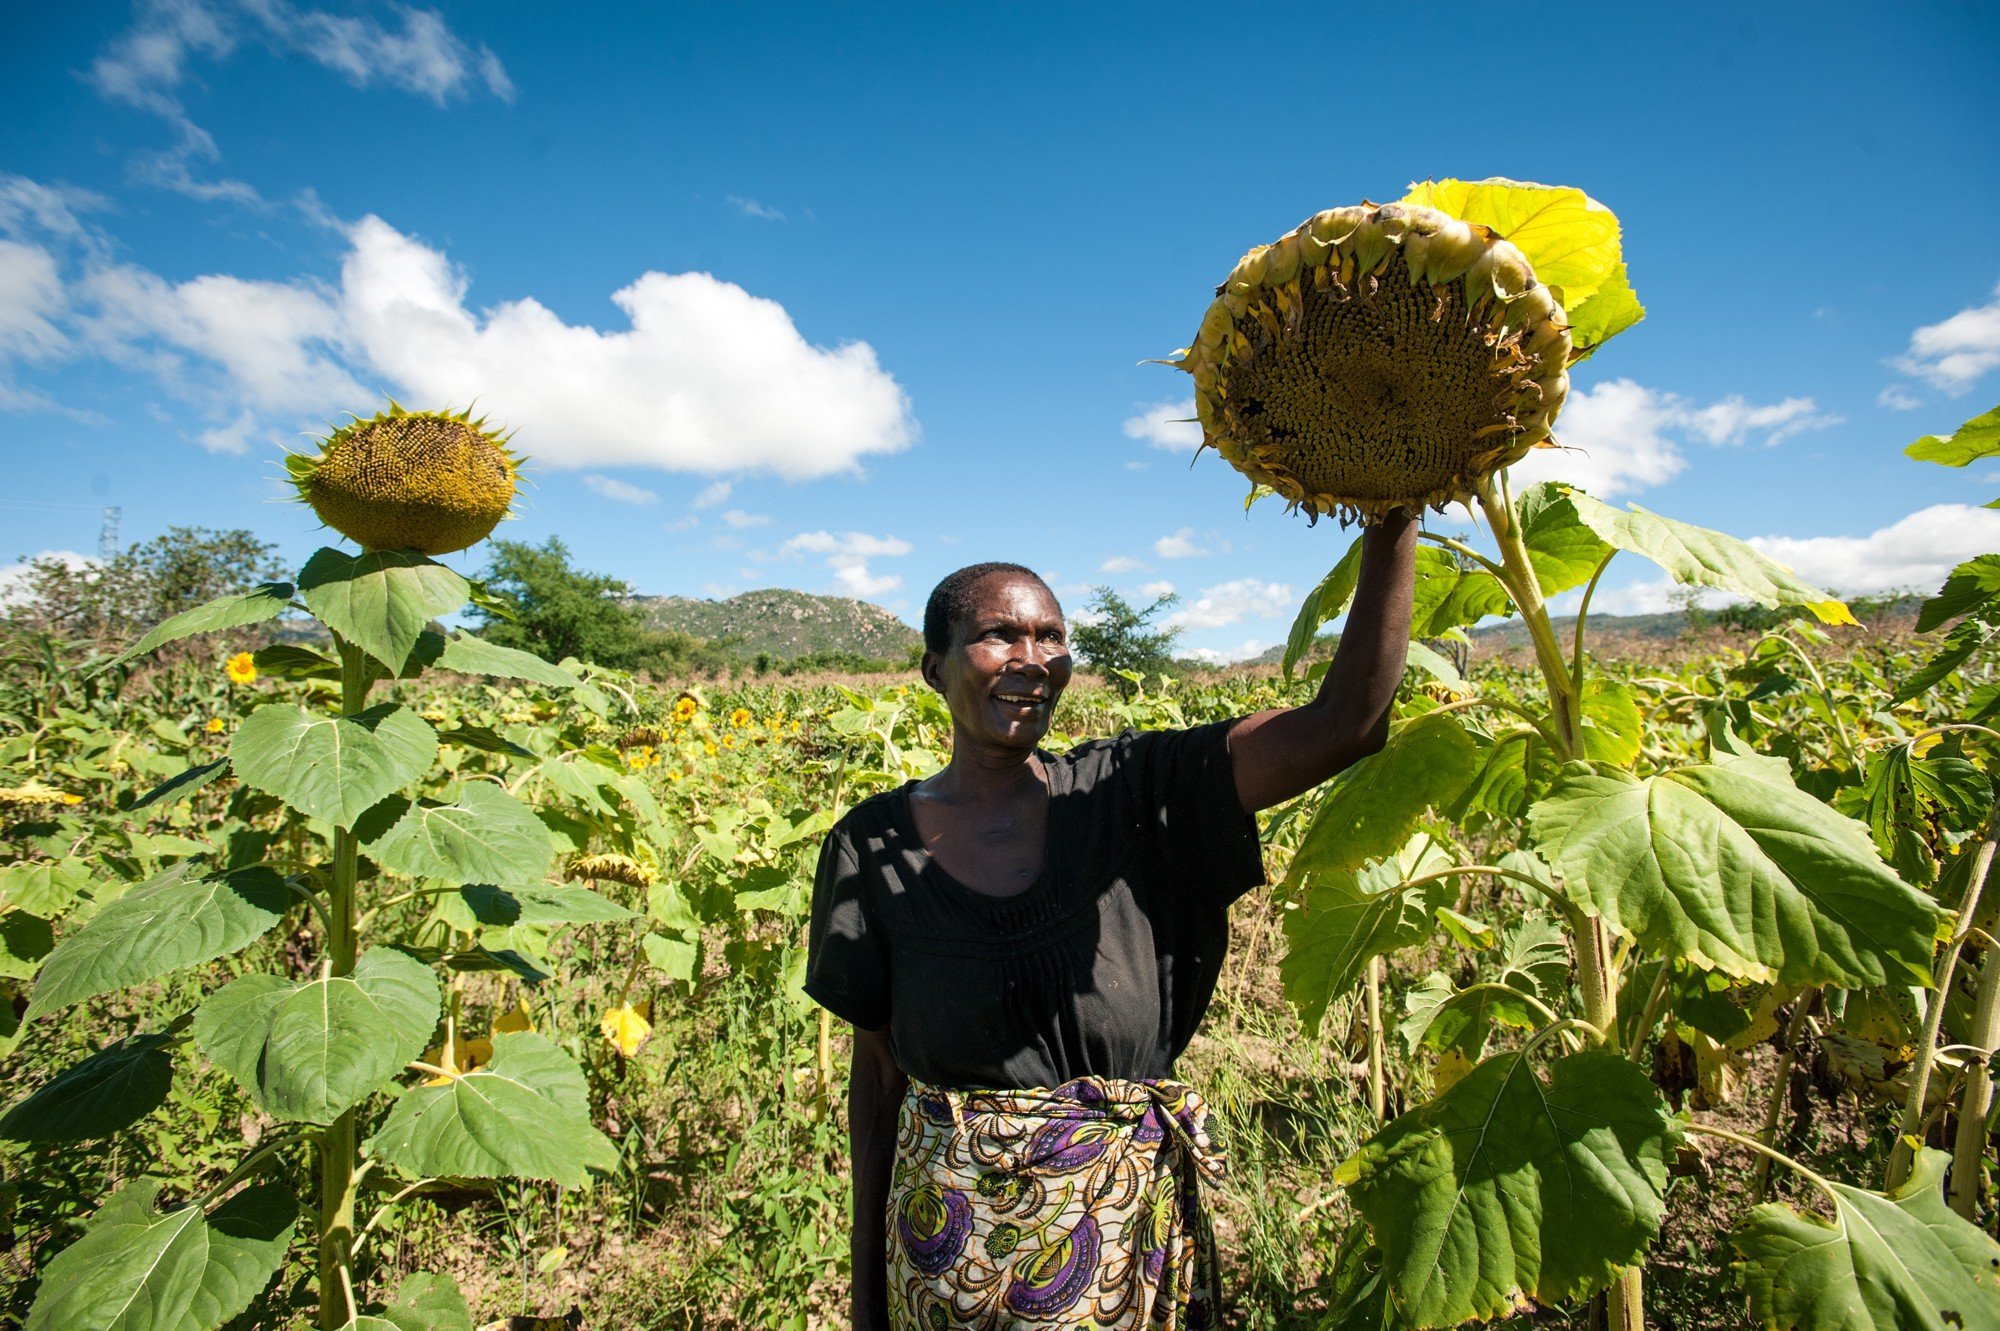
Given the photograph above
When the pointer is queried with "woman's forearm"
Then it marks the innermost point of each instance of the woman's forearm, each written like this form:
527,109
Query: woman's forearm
874,1098
1279,754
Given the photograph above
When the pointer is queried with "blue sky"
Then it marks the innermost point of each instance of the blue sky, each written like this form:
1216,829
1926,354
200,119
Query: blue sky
841,297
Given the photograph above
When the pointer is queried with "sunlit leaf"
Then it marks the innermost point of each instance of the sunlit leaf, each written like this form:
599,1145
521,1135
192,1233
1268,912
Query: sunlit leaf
524,1115
266,601
537,904
1323,604
423,1302
381,600
1345,918
180,787
1907,800
1570,238
333,768
1604,313
1969,587
1896,1260
1731,867
1977,438
1370,809
470,655
486,836
1612,728
136,1269
307,1052
625,1028
171,921
1506,1188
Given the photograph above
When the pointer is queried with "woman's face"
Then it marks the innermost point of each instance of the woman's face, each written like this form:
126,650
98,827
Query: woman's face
1008,663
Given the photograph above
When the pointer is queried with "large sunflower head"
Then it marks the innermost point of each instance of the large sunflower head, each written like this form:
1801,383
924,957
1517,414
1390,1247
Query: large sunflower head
428,481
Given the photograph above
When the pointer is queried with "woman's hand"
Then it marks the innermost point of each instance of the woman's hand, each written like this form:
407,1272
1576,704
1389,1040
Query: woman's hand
1282,753
874,1099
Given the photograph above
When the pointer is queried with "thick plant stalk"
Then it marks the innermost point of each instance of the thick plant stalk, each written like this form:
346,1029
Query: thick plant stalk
1625,1300
338,1184
1968,1148
1378,1092
1903,1156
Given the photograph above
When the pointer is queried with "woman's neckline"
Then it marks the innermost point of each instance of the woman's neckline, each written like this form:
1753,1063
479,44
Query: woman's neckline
906,817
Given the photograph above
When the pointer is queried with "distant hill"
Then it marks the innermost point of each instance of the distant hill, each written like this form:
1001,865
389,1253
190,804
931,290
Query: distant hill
785,624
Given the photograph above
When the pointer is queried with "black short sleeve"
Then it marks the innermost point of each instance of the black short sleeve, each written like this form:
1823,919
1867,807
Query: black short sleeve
1185,787
847,967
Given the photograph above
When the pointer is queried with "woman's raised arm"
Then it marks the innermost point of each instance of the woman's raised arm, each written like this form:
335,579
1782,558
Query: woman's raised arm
1287,751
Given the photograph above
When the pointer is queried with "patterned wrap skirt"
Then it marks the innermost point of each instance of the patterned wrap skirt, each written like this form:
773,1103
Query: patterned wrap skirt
1075,1207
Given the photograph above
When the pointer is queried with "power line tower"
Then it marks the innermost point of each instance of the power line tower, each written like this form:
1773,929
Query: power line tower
107,535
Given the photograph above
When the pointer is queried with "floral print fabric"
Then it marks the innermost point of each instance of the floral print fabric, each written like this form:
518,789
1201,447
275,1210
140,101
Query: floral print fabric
1075,1207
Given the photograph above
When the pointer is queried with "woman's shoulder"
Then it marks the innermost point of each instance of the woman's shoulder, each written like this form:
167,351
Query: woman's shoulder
882,809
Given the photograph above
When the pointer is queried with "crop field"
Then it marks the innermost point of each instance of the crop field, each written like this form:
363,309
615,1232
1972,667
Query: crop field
472,993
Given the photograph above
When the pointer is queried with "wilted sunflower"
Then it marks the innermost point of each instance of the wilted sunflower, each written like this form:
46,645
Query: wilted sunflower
1377,358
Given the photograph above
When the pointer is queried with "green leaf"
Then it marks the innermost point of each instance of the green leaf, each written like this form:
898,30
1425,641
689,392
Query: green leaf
538,904
469,655
43,887
1345,919
1446,596
24,941
1699,557
285,660
424,1302
1971,636
333,768
485,739
1900,1260
266,601
1603,314
1562,550
135,1269
1908,798
1977,438
1370,809
308,1052
671,955
1971,586
488,836
1534,964
1322,604
1735,869
524,1115
1506,1189
381,600
180,787
1513,773
105,1093
1612,728
168,922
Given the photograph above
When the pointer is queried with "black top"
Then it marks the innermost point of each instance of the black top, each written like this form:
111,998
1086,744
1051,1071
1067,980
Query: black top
1103,966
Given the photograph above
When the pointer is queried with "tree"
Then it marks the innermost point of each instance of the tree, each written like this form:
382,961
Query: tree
561,610
1119,636
152,581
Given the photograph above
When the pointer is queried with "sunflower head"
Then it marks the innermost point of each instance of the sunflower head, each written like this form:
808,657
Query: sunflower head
428,481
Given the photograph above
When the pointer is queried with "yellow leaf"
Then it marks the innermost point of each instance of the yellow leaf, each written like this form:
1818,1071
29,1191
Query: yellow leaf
625,1029
1570,238
515,1020
1452,1067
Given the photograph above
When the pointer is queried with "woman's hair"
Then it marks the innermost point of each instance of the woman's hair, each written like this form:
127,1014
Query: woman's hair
951,600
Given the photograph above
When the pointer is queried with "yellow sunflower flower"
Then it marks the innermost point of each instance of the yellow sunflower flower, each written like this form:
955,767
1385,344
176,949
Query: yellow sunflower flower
685,708
708,747
242,669
215,725
626,1028
740,717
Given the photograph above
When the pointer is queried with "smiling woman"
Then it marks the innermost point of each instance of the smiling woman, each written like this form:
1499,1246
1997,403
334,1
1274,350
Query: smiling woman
1025,943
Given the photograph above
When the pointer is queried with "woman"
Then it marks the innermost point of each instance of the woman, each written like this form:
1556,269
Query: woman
1026,942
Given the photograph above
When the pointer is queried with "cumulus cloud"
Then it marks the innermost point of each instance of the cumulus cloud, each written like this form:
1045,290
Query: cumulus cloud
847,554
1620,437
14,577
1183,544
1121,564
1243,651
1230,602
1168,425
146,65
690,385
1153,591
713,494
738,519
1898,398
621,492
1955,353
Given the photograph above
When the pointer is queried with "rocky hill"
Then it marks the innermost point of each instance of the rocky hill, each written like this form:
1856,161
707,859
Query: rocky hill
785,624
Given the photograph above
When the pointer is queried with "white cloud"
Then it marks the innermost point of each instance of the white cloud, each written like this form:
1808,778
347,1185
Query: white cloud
1153,591
1183,544
1168,425
1620,437
708,378
847,554
1898,398
752,208
717,493
1243,651
738,519
1121,564
13,577
1955,353
145,66
693,385
622,492
1230,602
